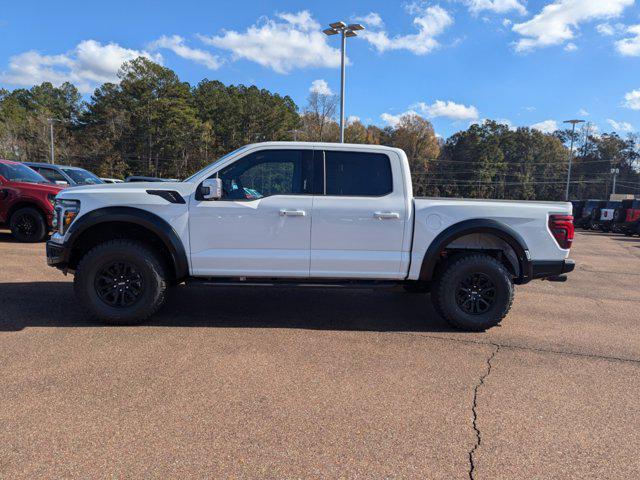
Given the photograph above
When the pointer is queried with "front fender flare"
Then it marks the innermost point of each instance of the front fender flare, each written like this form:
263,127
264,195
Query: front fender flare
143,218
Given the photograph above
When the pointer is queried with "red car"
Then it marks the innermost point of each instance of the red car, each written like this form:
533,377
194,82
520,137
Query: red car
26,201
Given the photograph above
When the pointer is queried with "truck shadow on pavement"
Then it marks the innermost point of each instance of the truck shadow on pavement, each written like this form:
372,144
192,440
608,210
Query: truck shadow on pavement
53,304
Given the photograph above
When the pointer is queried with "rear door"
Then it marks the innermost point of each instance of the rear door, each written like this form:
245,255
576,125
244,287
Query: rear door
359,219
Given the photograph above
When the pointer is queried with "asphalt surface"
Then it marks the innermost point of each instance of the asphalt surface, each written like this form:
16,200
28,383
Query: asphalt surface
262,383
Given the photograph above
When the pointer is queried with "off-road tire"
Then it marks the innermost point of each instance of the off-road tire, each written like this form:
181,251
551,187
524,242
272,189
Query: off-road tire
146,264
447,288
34,231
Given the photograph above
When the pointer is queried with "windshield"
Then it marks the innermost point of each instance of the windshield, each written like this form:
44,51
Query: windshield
82,177
16,172
211,164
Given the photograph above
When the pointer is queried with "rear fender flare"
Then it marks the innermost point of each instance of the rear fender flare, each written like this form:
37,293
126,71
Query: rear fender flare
478,225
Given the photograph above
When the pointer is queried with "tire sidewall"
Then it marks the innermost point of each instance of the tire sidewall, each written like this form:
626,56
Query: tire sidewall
460,270
153,284
40,225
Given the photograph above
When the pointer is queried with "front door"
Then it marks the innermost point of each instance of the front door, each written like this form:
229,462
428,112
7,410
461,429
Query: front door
262,225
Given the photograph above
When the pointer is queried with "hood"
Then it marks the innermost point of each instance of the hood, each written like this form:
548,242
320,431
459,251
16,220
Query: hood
183,188
41,187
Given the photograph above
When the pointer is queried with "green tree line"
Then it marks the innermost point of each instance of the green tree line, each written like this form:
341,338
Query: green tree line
152,123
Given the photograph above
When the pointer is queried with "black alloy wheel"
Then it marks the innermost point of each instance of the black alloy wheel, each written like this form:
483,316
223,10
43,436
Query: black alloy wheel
475,294
25,224
119,284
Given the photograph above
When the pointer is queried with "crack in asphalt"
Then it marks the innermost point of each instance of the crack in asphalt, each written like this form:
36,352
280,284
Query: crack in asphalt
474,410
520,347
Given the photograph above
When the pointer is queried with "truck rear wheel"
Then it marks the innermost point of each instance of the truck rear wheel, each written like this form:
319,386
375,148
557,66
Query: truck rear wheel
28,225
121,282
473,293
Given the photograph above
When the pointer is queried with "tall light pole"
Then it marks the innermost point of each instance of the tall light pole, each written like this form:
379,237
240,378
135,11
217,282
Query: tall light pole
614,172
345,31
573,134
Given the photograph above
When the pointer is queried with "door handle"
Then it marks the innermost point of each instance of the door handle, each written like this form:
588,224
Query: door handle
292,213
386,215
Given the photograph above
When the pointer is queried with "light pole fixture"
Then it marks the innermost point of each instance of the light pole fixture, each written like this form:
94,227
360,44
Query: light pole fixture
573,131
345,31
614,172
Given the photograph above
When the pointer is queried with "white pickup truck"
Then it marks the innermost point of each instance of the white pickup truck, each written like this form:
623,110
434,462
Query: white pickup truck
304,214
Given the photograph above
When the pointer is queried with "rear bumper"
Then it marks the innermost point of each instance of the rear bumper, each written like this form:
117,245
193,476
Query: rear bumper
57,255
553,268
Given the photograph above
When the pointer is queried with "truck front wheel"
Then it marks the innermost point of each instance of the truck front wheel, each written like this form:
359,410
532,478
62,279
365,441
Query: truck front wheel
28,225
473,293
121,282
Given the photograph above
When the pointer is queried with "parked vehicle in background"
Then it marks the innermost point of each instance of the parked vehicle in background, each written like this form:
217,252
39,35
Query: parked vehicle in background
607,214
141,178
578,206
586,215
111,180
26,202
64,174
325,214
629,224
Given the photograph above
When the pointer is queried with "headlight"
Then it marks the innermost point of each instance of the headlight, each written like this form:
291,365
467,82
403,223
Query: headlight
65,213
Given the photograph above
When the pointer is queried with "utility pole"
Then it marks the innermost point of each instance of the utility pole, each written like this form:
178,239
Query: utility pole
573,133
345,31
51,120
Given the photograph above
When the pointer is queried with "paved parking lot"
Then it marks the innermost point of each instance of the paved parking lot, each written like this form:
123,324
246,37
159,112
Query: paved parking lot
260,383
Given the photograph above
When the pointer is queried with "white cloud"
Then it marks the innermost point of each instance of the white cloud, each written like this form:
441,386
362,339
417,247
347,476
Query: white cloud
583,112
448,109
609,30
293,40
548,126
496,6
622,127
431,21
371,20
438,109
556,22
353,119
177,45
632,100
321,87
630,47
394,120
570,47
88,64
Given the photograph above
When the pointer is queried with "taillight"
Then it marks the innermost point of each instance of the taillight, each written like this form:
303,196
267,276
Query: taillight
561,227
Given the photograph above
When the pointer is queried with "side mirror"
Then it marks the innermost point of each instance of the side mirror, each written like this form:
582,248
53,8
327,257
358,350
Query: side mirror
211,189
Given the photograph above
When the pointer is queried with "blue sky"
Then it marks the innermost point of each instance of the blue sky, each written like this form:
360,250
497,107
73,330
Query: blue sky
532,62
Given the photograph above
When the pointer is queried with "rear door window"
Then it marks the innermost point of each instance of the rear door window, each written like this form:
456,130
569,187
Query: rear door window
360,174
52,175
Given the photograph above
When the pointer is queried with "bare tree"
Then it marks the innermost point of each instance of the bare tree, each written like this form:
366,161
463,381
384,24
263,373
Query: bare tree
318,115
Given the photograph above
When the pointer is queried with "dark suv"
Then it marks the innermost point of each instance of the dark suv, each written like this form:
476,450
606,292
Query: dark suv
26,201
64,174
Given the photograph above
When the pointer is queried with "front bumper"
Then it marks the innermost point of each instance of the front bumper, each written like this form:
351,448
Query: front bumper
553,268
57,255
